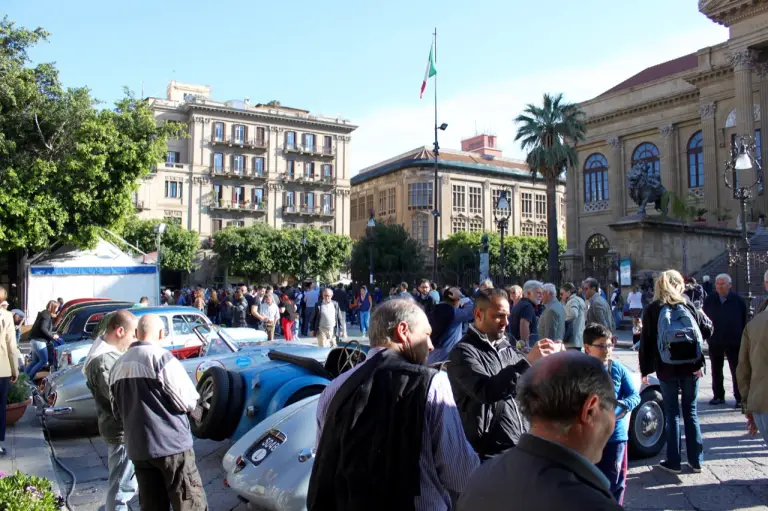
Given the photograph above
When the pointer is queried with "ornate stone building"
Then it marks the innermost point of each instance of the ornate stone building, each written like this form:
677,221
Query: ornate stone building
244,163
400,190
680,118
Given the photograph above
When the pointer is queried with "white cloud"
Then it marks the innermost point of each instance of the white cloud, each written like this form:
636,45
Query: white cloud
388,132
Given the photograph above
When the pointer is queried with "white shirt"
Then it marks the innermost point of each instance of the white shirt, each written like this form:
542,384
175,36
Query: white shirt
270,310
635,300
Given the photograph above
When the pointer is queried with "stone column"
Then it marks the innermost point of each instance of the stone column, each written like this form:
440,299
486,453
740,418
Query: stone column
615,180
669,158
711,167
743,61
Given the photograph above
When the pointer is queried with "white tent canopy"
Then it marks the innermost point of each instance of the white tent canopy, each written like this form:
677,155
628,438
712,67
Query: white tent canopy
106,271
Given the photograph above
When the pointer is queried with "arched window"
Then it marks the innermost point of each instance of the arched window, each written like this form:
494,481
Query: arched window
696,160
596,178
647,153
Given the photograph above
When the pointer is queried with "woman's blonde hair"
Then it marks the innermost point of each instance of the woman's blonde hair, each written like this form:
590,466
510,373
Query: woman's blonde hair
669,288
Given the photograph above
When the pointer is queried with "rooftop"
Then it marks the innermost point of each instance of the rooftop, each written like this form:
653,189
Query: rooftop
669,68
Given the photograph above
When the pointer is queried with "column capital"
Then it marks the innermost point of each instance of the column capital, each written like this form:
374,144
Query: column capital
667,131
743,59
614,142
761,68
707,110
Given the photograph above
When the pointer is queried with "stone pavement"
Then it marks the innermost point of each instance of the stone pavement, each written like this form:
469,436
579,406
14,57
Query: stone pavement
27,450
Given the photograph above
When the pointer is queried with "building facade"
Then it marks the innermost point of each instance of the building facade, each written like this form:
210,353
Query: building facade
243,164
680,118
401,191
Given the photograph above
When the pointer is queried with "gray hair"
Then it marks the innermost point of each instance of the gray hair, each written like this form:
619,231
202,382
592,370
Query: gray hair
723,276
555,389
550,288
531,285
487,283
592,283
388,315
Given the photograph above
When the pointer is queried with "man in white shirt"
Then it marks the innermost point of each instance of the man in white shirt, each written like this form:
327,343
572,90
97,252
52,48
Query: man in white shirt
326,318
311,296
269,315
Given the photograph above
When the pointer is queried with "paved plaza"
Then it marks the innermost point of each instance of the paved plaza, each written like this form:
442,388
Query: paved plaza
734,475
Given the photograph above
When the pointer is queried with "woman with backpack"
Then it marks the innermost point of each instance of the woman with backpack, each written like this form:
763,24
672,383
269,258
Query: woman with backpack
671,345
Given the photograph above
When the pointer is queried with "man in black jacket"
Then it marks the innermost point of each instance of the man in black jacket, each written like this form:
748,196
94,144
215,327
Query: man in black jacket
424,298
484,369
569,399
728,313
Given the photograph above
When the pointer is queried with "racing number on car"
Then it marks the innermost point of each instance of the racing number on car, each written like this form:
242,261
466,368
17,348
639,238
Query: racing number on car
204,366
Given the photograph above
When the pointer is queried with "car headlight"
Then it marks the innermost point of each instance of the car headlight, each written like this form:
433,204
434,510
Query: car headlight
52,398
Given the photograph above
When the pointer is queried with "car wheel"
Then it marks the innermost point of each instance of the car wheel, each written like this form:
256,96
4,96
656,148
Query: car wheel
234,408
303,394
646,426
213,388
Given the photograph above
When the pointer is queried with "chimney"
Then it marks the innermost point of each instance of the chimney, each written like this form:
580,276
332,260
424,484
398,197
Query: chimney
483,144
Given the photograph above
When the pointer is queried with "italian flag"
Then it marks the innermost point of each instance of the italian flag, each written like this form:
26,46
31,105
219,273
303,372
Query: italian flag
430,72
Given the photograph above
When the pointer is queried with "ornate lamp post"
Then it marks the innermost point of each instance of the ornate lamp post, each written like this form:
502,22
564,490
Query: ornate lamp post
501,214
371,226
738,177
159,231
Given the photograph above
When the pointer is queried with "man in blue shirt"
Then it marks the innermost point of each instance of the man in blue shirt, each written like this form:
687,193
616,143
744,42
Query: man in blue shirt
523,319
598,344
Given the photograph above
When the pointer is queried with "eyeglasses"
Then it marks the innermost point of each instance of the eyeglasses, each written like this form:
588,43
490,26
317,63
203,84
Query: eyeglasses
605,346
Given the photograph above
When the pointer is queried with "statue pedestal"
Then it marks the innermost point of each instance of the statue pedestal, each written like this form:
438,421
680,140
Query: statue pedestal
655,243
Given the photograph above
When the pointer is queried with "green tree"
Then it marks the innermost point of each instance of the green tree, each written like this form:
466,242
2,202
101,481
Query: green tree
178,246
395,255
258,251
547,133
67,169
526,256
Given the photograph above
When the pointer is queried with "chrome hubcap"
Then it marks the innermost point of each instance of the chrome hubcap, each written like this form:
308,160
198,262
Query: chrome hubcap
649,424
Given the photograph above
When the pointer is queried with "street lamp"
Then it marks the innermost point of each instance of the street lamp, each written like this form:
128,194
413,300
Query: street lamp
436,211
737,177
371,226
501,214
159,230
303,252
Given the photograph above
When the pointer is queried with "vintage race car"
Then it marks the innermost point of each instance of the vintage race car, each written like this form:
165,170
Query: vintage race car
270,465
65,397
232,403
179,325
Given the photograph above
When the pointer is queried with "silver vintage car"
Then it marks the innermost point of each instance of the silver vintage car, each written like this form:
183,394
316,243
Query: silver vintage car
270,466
65,397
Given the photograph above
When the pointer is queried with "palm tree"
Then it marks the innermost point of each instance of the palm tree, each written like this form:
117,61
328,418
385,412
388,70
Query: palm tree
549,133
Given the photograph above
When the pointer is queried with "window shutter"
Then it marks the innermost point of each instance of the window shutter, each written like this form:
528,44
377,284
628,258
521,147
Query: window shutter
181,190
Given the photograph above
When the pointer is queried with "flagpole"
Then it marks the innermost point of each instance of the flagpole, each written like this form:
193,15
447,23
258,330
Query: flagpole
436,211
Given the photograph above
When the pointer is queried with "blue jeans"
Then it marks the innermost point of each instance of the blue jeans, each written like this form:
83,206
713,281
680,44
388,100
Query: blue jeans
761,420
305,320
694,446
365,319
38,358
617,316
122,484
613,465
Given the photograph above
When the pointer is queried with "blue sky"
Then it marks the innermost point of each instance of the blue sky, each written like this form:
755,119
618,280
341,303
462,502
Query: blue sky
366,62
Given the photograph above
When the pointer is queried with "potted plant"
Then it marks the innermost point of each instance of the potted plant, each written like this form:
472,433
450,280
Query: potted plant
18,399
722,216
28,492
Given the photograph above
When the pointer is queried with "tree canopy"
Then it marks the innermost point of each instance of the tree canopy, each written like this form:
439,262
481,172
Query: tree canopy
396,256
548,134
67,168
526,257
259,250
177,248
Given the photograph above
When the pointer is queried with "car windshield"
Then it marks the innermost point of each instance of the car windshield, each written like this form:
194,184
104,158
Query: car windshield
218,342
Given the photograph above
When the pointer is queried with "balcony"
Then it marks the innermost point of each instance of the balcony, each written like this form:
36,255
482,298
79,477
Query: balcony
232,173
245,206
314,150
255,143
310,211
171,166
317,181
139,205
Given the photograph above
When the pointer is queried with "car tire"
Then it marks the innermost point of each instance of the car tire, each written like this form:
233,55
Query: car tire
303,394
646,426
213,388
234,408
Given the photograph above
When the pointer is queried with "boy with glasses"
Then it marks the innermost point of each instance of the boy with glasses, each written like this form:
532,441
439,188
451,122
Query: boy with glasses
599,343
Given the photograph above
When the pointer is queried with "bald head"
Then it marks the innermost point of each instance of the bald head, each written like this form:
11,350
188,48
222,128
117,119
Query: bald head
151,328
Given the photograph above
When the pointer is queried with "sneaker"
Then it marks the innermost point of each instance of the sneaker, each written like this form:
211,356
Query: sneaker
696,468
717,401
665,465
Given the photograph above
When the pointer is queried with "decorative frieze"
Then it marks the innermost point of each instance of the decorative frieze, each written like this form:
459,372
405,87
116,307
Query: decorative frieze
614,142
275,186
707,110
595,206
667,131
201,119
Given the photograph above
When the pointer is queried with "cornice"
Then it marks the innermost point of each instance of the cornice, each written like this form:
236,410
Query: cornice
728,12
270,118
709,76
648,106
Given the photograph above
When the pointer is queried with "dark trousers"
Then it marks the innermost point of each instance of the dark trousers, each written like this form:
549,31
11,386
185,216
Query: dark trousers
172,481
306,316
687,390
5,384
717,355
613,465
